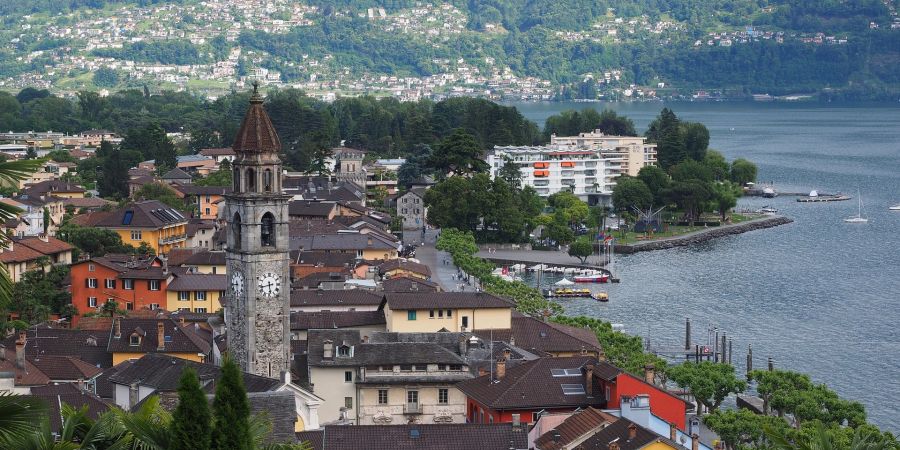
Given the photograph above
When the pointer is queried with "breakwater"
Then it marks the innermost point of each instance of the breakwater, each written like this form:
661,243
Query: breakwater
702,235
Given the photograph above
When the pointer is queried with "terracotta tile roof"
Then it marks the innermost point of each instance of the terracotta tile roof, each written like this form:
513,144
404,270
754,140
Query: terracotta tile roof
620,432
51,186
257,134
193,189
431,300
27,376
516,389
19,253
205,258
65,368
144,214
457,436
68,393
177,256
404,264
50,247
575,426
221,151
335,319
350,297
89,202
176,174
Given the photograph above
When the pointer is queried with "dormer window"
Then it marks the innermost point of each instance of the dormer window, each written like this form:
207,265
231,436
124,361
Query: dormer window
344,350
134,340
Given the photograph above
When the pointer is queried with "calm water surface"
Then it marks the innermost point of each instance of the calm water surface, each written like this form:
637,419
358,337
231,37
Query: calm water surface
819,296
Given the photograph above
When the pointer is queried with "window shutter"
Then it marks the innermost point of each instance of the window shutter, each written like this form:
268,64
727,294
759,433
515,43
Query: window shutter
113,284
87,282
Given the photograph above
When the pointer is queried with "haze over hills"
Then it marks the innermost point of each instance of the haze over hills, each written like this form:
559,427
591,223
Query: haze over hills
512,49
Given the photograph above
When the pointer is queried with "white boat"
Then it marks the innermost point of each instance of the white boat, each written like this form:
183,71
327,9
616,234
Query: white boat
768,210
858,218
895,208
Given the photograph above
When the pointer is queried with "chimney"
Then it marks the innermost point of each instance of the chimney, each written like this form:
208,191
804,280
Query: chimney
512,341
182,320
328,350
632,432
673,432
365,339
516,420
506,354
160,336
80,384
463,345
43,237
482,371
2,352
20,350
614,445
501,368
650,374
695,441
589,380
133,395
117,328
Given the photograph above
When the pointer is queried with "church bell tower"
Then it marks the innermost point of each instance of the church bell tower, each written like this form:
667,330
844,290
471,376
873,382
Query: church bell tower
257,254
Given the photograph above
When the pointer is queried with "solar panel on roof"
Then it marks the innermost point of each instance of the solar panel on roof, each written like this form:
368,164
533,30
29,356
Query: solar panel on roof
126,220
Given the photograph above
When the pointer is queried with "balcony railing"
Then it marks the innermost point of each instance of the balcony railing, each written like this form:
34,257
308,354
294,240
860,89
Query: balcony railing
412,408
171,239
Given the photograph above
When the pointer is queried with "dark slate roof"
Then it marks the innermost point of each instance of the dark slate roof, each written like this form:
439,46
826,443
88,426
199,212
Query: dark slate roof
516,389
205,258
427,300
163,372
176,174
315,280
310,208
198,282
183,339
257,134
87,345
342,241
311,226
56,394
193,189
220,151
145,214
376,353
619,431
574,427
323,259
537,336
51,186
457,436
280,409
408,284
335,319
404,264
348,297
105,388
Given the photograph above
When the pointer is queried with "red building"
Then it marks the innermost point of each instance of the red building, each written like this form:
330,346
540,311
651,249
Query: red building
559,385
132,283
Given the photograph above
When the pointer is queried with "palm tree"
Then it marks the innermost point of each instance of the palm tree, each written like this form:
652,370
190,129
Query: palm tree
18,416
11,173
823,438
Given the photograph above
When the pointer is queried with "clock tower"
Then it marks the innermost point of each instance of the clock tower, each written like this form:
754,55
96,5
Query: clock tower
257,254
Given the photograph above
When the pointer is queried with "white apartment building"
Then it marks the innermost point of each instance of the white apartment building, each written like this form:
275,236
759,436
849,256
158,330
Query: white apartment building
634,149
587,164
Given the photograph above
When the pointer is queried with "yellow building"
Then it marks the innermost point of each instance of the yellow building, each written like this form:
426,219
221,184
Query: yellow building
196,292
152,222
406,312
404,267
133,338
208,262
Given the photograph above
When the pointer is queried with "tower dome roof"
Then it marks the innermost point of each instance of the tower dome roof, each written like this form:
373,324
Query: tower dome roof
257,135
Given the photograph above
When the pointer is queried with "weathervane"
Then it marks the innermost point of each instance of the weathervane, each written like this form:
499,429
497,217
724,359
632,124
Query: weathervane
255,85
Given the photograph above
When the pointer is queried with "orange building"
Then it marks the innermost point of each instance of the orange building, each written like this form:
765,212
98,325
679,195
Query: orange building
206,199
132,283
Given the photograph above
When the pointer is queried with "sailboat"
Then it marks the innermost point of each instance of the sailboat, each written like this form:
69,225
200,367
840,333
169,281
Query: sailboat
895,207
858,218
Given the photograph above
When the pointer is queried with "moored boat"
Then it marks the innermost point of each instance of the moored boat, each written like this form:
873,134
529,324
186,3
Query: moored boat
602,278
601,297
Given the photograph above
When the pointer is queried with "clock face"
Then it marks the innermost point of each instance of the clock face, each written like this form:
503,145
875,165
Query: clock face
237,283
269,284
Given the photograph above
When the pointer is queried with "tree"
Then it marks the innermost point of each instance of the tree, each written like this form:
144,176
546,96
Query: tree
689,169
835,437
93,241
581,249
31,153
151,141
11,173
657,181
19,416
415,167
105,77
458,153
112,182
190,427
667,133
160,192
231,411
222,177
717,164
511,173
696,140
743,171
724,197
631,192
710,383
742,428
39,293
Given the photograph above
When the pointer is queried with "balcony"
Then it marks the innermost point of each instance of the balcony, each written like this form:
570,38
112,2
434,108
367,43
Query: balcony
412,408
171,239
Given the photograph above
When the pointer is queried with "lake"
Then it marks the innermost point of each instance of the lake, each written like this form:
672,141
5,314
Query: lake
820,296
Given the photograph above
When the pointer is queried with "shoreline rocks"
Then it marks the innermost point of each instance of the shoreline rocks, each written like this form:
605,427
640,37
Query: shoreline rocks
703,235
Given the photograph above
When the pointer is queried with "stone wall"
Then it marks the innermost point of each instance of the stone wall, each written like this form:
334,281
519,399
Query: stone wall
705,235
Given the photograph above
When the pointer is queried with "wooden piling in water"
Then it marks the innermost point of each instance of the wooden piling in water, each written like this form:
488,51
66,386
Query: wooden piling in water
687,334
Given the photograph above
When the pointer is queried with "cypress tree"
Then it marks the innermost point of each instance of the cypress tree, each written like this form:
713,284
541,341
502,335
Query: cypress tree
191,428
231,411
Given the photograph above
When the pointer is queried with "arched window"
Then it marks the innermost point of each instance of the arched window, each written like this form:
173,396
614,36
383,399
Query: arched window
237,180
236,231
267,232
267,180
251,180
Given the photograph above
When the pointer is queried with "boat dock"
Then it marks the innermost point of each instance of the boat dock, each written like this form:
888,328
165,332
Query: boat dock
824,198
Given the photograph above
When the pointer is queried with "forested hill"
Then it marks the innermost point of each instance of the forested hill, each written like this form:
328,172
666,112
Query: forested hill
585,48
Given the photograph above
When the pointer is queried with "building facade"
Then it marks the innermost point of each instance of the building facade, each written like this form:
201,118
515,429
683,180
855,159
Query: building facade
257,253
411,209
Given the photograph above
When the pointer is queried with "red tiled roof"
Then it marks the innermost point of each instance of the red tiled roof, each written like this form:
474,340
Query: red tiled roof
257,134
574,427
52,246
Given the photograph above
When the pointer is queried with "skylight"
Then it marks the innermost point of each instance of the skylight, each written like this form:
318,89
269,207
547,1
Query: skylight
565,372
128,216
573,389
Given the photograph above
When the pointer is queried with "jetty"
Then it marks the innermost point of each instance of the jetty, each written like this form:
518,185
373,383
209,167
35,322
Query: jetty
824,198
703,235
